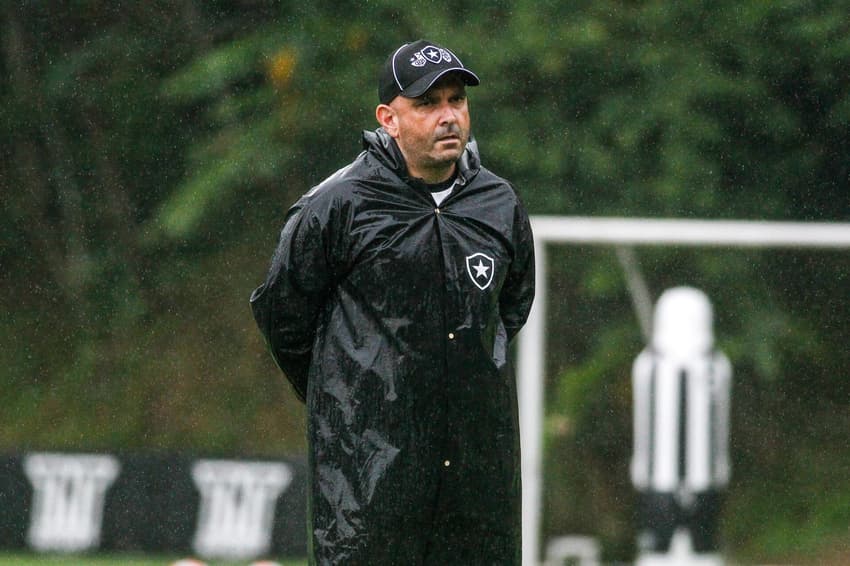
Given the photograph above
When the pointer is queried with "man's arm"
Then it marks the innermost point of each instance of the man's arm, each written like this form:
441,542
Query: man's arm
518,290
288,305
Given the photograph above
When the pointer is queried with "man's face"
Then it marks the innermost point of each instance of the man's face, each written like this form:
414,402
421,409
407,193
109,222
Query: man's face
432,130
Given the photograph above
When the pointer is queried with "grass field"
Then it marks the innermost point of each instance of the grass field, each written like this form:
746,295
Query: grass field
29,559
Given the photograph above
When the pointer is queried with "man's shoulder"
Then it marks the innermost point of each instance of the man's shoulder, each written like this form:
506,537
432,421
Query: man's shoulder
337,189
491,177
339,182
488,180
345,190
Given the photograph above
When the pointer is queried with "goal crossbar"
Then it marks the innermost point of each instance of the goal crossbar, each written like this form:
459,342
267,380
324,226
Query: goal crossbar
676,232
628,232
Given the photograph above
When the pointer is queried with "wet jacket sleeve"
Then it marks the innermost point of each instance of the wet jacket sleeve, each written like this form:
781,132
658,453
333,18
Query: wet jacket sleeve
288,305
518,290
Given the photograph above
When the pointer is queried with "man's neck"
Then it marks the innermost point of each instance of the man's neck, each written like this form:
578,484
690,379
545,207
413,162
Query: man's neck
442,185
433,176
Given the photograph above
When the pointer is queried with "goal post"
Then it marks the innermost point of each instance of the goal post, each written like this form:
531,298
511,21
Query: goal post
622,232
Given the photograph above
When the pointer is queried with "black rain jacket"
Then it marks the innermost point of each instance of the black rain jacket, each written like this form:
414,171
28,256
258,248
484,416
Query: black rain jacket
391,318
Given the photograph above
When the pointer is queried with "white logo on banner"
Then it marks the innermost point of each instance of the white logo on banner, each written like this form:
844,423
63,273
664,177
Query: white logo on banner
237,506
68,496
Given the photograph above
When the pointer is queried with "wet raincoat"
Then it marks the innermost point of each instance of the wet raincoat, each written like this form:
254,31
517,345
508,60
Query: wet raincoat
391,318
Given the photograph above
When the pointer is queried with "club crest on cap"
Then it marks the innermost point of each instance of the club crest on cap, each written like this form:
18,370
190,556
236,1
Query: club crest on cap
430,54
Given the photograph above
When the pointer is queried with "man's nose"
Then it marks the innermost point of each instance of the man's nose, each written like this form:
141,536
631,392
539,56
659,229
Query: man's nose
448,114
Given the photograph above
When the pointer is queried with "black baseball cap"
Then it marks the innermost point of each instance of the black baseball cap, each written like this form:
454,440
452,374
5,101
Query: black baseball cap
412,68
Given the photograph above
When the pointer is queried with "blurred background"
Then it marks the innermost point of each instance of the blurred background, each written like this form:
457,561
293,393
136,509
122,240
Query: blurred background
150,150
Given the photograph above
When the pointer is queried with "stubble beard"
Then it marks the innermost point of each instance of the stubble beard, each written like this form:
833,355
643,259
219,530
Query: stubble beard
455,153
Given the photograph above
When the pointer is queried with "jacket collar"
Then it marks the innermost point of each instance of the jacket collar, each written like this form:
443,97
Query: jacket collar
387,151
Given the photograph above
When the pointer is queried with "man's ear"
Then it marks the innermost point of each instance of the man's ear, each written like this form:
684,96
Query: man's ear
388,119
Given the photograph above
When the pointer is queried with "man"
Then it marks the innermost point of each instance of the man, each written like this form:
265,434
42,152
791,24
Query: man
394,291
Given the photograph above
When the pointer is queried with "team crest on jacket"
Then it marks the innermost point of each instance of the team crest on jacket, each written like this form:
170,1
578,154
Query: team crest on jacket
480,268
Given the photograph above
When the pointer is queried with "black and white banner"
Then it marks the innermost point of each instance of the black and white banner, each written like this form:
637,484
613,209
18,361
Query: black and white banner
211,507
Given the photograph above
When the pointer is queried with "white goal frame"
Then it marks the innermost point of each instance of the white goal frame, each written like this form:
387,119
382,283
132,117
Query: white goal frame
622,232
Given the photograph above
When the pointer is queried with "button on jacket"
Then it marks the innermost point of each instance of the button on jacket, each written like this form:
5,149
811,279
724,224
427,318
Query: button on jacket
392,320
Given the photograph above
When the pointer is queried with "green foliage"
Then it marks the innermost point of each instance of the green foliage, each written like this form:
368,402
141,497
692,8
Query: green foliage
150,151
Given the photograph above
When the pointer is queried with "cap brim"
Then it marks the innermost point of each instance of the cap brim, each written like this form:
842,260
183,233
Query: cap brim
421,86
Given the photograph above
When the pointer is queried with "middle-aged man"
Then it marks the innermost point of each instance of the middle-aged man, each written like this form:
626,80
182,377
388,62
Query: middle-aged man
392,296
